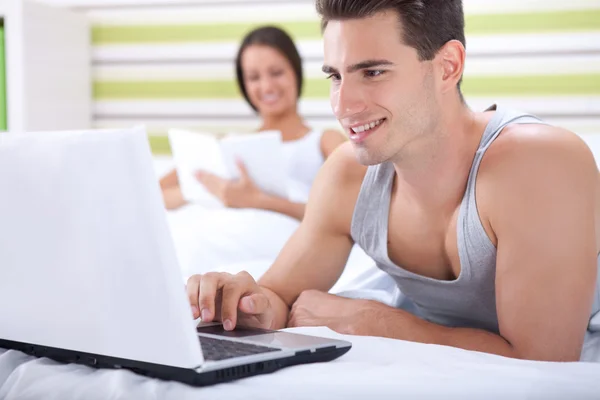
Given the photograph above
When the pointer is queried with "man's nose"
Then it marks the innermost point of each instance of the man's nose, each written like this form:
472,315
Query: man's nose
347,100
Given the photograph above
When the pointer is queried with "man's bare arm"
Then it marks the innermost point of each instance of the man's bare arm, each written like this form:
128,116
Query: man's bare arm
544,200
316,254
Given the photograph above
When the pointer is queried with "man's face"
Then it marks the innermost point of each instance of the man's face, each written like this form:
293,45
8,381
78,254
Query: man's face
381,93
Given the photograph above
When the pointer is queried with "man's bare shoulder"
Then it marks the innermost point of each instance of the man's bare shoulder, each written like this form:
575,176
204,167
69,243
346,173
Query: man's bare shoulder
343,169
336,189
528,163
524,148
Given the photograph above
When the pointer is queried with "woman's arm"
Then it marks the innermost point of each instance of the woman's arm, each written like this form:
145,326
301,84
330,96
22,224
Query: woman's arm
171,191
173,197
169,180
243,193
280,205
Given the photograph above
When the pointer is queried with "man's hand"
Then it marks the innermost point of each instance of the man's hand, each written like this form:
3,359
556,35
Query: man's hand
315,308
239,193
232,299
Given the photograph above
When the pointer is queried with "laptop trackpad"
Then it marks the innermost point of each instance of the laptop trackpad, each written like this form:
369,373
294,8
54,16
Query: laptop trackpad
268,338
238,332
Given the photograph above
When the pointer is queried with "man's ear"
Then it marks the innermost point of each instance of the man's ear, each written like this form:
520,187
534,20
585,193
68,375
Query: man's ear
451,62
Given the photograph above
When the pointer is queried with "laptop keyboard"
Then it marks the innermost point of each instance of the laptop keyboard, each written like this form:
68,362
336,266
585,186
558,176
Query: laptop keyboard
219,349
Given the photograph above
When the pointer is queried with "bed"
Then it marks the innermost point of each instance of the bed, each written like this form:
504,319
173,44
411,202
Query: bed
374,368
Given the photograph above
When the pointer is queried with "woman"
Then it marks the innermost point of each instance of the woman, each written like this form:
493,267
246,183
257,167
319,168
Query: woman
269,75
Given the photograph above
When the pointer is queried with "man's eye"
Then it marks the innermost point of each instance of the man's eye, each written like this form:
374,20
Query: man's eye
372,73
334,77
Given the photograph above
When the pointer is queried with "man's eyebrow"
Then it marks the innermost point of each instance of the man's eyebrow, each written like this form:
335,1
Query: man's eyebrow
358,66
329,70
368,64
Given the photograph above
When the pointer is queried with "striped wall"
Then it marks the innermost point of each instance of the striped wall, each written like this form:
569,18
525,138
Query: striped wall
170,63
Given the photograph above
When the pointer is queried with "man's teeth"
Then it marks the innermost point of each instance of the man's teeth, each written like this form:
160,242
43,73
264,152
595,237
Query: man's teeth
366,127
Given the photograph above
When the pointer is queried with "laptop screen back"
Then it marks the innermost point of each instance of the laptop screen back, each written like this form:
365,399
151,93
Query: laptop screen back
87,261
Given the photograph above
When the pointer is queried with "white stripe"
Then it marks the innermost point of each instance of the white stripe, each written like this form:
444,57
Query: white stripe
492,45
151,72
533,43
208,108
571,105
201,108
532,65
470,6
557,105
162,125
500,66
192,71
105,3
583,127
211,14
516,6
579,126
292,12
155,127
186,51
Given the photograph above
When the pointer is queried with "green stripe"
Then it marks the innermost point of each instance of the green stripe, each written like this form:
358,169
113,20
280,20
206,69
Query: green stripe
194,33
220,89
537,85
533,22
160,145
3,105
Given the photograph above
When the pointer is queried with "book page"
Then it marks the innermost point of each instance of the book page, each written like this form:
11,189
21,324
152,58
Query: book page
262,154
193,152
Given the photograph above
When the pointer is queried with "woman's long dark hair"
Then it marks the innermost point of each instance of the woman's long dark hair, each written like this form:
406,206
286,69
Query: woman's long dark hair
279,40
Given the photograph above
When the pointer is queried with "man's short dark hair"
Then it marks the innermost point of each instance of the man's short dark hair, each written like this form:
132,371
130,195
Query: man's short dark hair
428,24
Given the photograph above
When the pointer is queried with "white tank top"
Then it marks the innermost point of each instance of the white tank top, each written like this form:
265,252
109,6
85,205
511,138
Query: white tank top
303,159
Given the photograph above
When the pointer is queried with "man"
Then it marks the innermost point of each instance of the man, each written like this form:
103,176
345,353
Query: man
486,220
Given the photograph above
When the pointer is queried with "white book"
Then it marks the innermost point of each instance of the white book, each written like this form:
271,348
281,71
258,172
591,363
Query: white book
261,153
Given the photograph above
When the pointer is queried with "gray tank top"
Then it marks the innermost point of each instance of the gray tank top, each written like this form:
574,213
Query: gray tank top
469,300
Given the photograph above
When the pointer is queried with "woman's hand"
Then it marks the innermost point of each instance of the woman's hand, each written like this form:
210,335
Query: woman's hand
239,193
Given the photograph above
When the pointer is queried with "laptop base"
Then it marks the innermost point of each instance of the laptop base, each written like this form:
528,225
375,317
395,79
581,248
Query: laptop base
169,373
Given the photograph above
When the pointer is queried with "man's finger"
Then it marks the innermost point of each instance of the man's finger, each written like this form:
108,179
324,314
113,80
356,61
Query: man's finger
291,322
254,304
232,292
209,286
192,288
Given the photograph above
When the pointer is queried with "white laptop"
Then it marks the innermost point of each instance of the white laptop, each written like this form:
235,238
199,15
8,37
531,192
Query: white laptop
89,273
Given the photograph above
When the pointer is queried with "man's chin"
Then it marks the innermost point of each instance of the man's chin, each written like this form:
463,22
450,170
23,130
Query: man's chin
367,157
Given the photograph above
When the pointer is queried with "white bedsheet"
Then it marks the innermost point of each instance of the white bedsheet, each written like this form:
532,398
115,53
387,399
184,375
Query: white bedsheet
206,239
232,240
374,368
